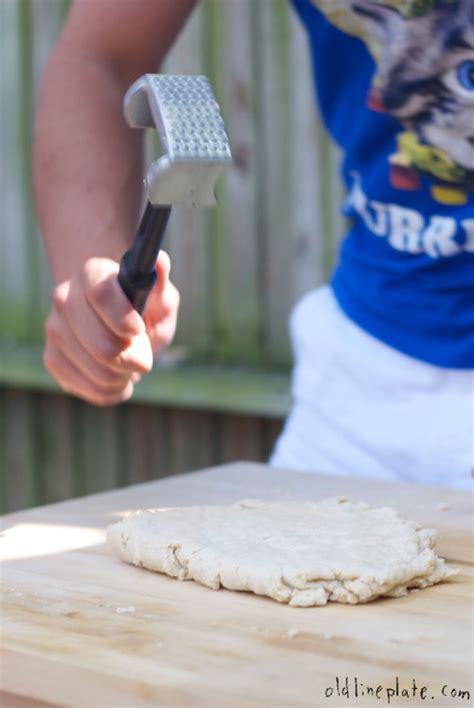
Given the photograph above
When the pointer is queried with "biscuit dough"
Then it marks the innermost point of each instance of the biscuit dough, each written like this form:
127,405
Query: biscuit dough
304,554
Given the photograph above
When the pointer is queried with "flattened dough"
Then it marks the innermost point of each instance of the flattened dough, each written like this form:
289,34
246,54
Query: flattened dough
303,554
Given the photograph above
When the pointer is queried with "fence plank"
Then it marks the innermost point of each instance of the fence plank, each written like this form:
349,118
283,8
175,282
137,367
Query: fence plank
187,239
193,441
15,297
240,438
22,475
235,244
55,429
98,448
273,96
3,452
25,83
147,443
271,432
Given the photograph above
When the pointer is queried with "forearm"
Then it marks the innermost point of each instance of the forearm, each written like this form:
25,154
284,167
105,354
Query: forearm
87,167
87,164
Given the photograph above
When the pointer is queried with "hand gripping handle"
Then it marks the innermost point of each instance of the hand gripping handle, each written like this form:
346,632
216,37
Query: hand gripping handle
137,274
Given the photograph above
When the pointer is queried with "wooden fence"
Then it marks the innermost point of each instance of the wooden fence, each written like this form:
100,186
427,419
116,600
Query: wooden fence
221,392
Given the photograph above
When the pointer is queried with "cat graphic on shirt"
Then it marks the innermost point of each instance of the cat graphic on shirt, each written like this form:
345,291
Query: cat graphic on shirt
424,54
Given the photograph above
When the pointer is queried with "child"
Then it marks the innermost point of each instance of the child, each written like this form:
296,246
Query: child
383,383
384,375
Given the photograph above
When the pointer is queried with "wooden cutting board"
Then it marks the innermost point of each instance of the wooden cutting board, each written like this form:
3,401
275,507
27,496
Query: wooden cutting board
81,628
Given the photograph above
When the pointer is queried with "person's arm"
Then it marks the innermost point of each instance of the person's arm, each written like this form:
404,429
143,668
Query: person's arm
87,167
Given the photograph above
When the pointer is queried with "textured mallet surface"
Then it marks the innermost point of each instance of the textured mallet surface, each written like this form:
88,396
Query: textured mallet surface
303,554
190,118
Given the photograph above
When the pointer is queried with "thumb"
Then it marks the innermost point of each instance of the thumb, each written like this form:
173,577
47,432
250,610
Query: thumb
163,268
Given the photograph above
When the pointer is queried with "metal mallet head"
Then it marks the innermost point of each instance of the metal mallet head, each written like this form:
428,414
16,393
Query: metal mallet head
186,115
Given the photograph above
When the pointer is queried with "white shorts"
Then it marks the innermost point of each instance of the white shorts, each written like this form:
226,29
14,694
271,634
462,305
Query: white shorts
364,409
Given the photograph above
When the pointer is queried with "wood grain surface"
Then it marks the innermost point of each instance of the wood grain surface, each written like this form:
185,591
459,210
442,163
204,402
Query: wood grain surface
81,628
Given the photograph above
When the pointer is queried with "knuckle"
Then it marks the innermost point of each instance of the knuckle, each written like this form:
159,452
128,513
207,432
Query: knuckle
60,298
91,264
88,267
51,329
98,291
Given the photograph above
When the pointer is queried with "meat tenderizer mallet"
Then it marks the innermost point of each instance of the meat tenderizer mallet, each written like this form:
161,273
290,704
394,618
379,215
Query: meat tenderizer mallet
184,111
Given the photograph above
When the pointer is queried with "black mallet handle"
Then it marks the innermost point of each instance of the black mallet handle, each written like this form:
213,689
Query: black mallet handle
137,274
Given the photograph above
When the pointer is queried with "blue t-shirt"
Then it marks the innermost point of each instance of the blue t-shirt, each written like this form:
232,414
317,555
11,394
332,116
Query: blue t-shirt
395,82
